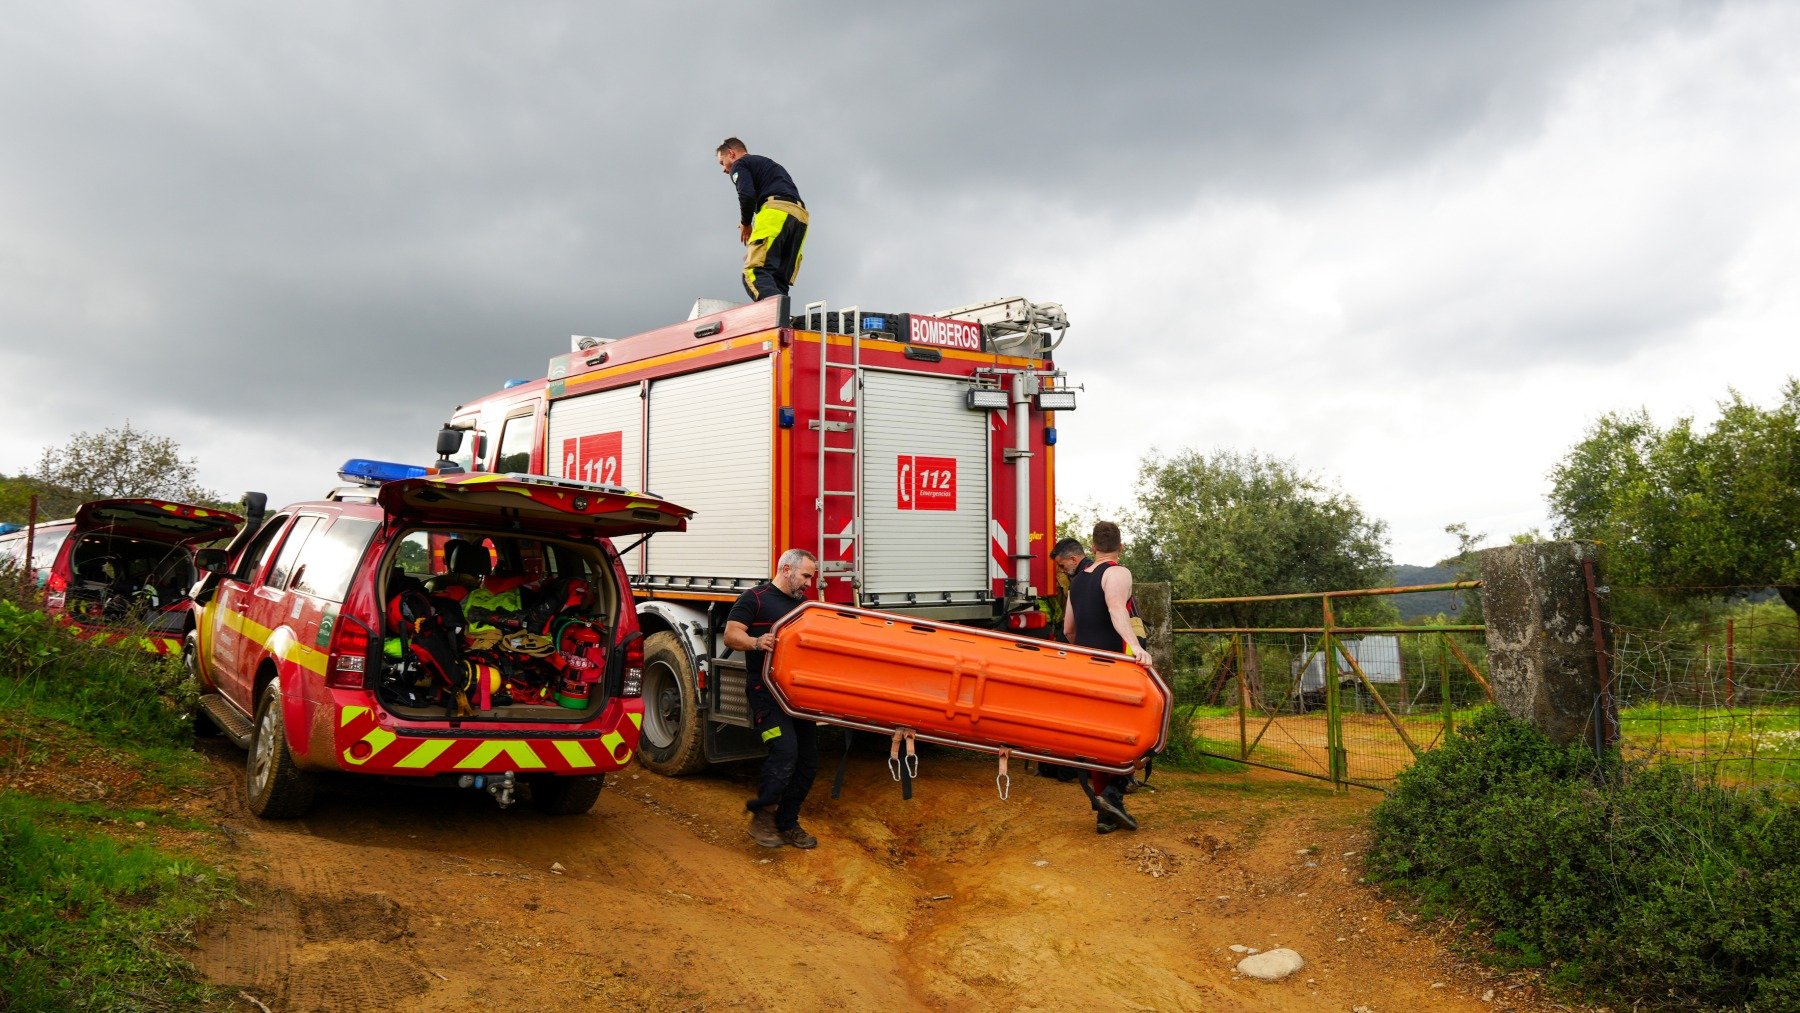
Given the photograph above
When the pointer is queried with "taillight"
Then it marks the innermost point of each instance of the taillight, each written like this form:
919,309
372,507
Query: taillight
349,654
58,582
1032,620
634,667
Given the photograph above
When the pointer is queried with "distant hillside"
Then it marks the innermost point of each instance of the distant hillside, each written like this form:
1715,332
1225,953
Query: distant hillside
1419,606
15,499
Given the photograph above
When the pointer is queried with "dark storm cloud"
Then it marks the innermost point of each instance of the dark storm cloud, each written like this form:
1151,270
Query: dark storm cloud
371,212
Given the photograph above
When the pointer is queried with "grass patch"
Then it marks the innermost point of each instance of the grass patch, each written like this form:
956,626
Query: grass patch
91,909
86,920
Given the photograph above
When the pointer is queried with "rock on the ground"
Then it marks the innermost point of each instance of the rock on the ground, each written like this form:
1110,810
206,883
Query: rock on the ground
1271,966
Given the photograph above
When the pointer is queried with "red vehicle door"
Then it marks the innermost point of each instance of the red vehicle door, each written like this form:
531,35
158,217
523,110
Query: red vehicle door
225,635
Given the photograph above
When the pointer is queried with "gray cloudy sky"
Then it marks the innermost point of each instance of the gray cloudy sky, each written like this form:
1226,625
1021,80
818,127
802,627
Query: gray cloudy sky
1414,247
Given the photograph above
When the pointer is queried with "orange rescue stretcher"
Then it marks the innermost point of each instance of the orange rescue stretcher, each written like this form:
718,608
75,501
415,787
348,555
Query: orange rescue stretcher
974,689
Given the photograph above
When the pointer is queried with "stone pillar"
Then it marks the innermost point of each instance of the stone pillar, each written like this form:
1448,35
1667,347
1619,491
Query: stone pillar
1543,661
1154,609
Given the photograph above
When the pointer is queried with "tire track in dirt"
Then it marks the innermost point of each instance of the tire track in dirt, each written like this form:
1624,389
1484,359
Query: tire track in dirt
393,897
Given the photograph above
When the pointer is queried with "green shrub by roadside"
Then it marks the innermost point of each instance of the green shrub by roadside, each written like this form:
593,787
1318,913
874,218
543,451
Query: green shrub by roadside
1637,883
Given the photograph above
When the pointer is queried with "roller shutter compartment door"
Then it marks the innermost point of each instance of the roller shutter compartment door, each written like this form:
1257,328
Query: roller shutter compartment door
925,491
598,437
712,451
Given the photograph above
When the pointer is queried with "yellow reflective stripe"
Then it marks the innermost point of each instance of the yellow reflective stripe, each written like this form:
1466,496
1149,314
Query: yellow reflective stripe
426,752
378,739
518,752
574,754
296,654
772,734
351,713
306,657
637,719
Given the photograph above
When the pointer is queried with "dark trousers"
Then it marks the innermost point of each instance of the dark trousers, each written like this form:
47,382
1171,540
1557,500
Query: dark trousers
793,763
772,256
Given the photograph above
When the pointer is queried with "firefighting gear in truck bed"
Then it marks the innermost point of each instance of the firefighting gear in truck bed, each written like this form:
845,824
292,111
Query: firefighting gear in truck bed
509,642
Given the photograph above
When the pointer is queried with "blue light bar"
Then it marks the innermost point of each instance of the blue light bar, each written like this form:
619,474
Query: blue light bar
874,322
510,384
366,472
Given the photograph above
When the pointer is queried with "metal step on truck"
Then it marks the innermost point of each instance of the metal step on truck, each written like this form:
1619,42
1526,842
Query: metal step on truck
913,453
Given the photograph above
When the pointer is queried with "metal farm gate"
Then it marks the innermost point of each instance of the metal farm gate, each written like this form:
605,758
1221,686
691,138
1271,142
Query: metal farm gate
1351,700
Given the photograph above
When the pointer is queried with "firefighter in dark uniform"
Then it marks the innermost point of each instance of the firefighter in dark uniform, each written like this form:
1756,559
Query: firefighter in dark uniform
793,761
1099,615
771,220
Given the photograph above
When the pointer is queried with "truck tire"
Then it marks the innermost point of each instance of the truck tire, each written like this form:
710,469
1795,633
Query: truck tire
673,736
277,787
566,796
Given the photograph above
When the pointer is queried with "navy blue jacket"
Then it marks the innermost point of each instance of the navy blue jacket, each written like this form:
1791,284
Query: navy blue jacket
757,179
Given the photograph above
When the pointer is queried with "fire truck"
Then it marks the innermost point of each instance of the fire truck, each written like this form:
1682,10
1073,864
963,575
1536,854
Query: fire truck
914,454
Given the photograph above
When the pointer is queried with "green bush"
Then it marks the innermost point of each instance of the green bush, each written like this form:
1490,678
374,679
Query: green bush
117,692
1639,883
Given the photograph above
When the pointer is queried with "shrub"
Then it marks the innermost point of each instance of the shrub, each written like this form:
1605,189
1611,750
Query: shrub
1639,883
119,692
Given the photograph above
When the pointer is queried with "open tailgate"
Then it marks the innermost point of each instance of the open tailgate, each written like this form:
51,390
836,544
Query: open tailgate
546,506
156,520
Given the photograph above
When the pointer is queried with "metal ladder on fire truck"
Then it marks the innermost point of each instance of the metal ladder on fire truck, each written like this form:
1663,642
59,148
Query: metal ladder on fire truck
849,541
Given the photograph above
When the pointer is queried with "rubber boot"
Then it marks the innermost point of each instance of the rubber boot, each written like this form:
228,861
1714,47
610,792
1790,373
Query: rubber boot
762,828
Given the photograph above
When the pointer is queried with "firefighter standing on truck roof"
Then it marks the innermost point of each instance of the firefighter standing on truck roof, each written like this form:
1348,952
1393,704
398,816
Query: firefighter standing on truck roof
1100,615
793,761
771,219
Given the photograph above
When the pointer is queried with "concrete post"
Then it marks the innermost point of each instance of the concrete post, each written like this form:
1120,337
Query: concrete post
1543,654
1153,606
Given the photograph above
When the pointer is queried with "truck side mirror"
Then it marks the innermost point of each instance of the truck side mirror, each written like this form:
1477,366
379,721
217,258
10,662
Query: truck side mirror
211,560
449,441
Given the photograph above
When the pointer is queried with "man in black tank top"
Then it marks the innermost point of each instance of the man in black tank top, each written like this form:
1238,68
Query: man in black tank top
1099,616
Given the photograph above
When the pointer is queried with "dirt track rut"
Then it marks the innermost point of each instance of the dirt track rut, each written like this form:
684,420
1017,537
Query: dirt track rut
391,897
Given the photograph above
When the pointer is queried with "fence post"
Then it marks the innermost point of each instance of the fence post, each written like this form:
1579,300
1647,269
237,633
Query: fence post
1730,680
1334,729
1547,640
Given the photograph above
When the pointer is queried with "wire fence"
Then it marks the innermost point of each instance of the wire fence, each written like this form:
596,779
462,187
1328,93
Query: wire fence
1336,686
1718,694
1332,685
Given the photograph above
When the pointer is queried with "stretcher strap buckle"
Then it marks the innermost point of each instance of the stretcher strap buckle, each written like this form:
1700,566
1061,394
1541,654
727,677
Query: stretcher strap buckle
1003,780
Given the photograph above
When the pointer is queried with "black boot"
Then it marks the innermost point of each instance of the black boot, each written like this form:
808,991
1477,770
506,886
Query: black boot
1112,806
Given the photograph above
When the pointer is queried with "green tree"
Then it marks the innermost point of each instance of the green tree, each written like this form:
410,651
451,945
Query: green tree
1692,511
125,461
1237,524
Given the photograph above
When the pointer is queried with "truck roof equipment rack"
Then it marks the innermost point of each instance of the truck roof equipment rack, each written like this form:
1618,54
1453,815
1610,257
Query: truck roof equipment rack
1016,325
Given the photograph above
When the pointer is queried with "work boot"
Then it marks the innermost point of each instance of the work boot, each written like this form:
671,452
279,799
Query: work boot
1104,824
762,829
799,838
1112,804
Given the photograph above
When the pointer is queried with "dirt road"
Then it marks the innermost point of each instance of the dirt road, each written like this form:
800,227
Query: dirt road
392,897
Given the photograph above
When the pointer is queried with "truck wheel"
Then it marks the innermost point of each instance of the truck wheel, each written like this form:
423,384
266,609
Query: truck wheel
204,727
671,742
567,796
277,787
